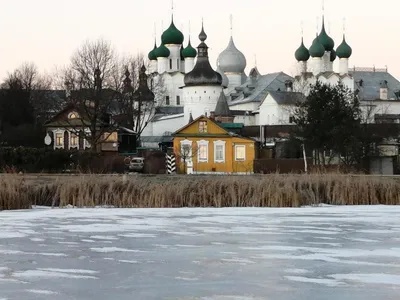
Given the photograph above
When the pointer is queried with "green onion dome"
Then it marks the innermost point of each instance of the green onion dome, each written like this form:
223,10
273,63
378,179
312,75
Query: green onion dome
344,50
189,51
333,55
162,51
325,39
302,53
172,35
316,49
152,55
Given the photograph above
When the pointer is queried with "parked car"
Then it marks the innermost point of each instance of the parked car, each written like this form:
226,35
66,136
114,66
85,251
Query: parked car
135,164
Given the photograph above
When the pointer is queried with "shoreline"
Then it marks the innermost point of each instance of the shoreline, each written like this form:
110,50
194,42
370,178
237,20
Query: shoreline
162,191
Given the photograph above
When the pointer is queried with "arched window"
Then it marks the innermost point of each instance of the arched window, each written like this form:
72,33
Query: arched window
73,115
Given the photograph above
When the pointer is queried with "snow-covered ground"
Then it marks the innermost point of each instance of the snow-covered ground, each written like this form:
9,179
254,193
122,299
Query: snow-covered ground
346,253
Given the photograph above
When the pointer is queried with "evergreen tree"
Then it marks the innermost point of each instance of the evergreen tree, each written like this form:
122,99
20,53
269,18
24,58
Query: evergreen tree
329,123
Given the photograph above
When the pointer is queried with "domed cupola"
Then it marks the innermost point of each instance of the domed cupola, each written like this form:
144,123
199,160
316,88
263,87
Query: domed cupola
202,73
325,39
302,53
172,35
152,55
317,49
231,60
162,51
189,51
344,50
225,79
333,55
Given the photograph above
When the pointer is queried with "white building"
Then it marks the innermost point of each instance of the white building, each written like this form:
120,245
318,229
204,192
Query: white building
193,87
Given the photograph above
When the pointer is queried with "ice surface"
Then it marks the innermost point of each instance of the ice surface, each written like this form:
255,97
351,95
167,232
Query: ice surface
42,292
325,252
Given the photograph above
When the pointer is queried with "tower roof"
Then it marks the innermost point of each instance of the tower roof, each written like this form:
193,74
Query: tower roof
344,50
152,55
231,59
143,93
222,107
202,73
325,39
302,53
317,49
189,51
172,35
162,51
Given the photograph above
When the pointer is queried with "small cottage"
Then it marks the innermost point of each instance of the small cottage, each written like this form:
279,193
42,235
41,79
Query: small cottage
204,146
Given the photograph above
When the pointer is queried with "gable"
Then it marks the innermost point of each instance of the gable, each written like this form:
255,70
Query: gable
69,116
202,126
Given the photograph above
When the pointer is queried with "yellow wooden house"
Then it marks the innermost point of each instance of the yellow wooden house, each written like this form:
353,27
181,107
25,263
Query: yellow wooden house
205,147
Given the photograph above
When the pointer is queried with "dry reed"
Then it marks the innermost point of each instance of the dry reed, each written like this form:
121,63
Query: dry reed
275,190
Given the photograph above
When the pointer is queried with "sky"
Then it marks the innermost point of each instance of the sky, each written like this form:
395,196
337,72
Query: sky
47,32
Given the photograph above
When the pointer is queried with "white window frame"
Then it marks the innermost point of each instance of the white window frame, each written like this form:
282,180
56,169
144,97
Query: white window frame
240,146
223,144
202,143
86,143
70,140
187,143
55,132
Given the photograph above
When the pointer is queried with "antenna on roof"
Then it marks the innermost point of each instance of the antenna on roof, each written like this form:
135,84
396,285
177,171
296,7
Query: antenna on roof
317,24
172,9
255,60
323,7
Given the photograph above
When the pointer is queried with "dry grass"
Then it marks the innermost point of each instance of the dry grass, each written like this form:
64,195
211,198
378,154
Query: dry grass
274,190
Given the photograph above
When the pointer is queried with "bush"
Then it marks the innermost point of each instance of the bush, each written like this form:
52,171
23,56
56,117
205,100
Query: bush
38,160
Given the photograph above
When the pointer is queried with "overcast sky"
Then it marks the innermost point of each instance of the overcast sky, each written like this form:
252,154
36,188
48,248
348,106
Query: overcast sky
48,31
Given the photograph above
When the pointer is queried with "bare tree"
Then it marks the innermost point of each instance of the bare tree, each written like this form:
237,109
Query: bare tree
185,153
93,81
142,95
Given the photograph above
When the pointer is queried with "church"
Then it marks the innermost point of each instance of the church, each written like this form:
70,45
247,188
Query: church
194,88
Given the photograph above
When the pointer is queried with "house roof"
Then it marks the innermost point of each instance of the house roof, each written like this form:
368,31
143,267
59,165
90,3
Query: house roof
256,89
169,110
286,98
228,133
371,84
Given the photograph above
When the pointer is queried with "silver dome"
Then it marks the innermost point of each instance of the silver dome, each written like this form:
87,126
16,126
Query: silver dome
231,60
225,79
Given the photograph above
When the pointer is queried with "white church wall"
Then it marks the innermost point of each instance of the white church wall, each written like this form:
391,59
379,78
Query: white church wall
269,112
174,59
249,106
200,100
371,108
247,120
172,83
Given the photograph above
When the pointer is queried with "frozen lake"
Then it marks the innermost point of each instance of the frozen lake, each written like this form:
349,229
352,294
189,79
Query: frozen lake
329,253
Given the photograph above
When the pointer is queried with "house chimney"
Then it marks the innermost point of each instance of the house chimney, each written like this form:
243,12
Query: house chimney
384,90
289,85
212,115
